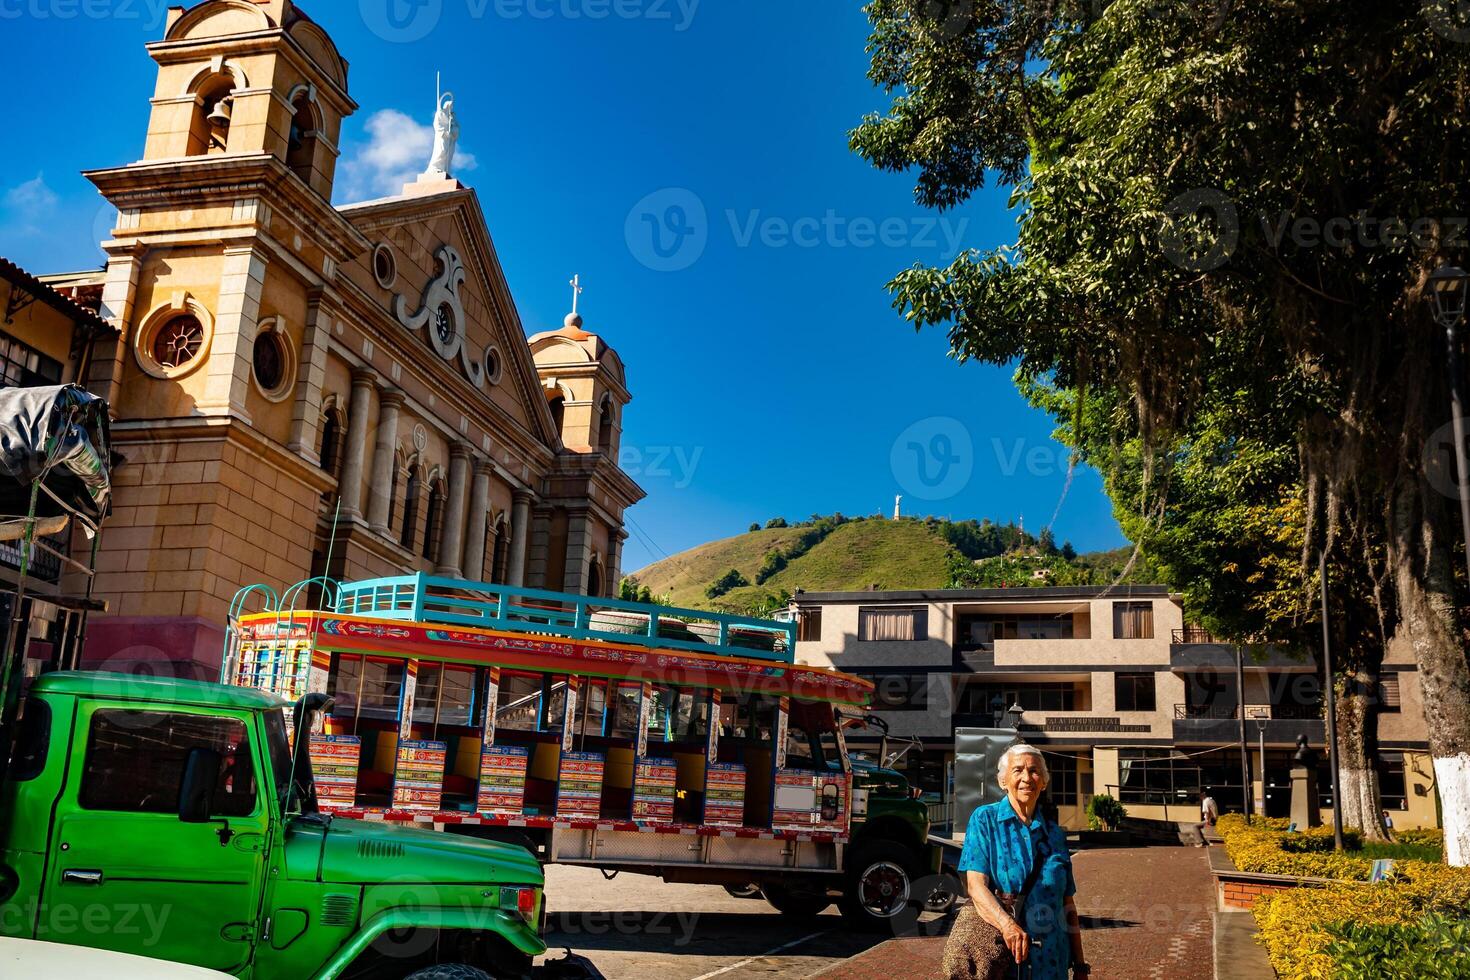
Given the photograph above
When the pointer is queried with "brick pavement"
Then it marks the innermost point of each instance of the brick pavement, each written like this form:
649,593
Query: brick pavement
1147,915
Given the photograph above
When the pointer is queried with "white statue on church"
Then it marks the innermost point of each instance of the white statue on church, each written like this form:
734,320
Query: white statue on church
446,135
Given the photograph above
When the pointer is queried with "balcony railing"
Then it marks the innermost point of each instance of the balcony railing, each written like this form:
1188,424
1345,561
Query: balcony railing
1229,712
1193,634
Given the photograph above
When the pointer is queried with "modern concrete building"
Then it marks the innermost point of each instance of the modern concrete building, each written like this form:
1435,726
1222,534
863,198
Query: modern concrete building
1121,694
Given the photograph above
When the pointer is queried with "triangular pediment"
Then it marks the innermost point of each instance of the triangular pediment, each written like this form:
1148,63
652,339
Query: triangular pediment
423,232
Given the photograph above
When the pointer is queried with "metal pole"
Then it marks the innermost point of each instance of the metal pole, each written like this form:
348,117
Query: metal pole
1331,705
1247,806
1262,729
1457,418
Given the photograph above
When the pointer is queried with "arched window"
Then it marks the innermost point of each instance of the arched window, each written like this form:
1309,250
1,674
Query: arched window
558,412
411,507
605,426
333,436
433,518
209,130
500,564
594,578
301,144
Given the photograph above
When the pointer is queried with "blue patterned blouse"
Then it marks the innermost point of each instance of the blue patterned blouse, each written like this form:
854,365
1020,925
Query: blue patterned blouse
999,846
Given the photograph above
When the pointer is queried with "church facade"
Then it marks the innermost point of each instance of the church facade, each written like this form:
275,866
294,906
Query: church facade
300,389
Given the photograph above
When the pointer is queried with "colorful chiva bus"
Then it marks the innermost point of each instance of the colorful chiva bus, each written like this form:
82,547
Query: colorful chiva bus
593,731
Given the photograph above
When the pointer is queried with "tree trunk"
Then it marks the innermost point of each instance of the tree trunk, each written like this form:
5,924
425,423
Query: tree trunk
1357,755
1419,556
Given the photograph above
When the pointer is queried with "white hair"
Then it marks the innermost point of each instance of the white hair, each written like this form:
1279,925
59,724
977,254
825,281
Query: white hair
1021,748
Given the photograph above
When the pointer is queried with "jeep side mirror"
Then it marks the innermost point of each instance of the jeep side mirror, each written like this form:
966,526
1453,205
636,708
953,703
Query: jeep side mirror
196,792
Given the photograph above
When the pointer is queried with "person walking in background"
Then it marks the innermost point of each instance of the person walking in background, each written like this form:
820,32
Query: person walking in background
1208,814
1022,917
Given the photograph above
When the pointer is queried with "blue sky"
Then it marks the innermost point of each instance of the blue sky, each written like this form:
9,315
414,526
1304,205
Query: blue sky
688,158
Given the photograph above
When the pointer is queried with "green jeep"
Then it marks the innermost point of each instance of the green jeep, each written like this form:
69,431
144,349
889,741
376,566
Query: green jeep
171,819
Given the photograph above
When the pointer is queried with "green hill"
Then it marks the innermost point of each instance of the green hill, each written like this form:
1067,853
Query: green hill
760,568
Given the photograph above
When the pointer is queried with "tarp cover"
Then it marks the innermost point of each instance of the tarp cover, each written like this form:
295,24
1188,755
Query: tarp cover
58,434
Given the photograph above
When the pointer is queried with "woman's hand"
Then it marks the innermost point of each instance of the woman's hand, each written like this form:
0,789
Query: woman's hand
1016,941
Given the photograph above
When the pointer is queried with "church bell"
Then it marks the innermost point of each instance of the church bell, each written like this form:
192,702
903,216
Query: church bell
219,116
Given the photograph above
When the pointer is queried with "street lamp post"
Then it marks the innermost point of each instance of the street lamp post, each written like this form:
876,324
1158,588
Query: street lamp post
1013,715
1262,715
1448,287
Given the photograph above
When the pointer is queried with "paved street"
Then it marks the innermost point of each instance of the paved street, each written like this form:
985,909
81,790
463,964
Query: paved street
638,927
1146,913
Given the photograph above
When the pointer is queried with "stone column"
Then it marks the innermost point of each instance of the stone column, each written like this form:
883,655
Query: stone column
520,536
227,381
452,544
579,552
380,492
615,560
474,547
539,555
311,375
350,483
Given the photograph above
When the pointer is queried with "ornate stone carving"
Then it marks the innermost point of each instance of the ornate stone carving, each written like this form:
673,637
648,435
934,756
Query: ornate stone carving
442,312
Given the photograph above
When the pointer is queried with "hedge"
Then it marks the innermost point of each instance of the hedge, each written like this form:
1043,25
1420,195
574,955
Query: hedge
1350,925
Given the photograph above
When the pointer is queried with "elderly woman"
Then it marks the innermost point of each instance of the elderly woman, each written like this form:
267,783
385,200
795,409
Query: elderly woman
1005,841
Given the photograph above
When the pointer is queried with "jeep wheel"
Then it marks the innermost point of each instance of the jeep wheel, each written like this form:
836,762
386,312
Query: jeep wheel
450,971
879,885
799,903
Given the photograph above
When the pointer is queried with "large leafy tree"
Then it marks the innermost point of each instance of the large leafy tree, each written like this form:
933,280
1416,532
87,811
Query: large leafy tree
1230,534
1243,197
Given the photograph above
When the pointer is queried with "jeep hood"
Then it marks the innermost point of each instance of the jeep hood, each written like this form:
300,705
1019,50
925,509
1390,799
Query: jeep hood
364,853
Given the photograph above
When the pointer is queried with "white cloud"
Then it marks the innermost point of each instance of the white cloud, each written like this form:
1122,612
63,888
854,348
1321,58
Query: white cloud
30,200
396,152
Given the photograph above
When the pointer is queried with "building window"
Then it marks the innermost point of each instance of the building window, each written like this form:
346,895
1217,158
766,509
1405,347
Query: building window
385,266
900,692
1388,694
1133,620
22,366
494,366
135,761
1133,692
883,624
558,413
981,631
1392,785
500,564
433,519
272,362
1155,777
411,508
809,625
996,698
178,341
301,143
594,578
330,452
605,427
1063,786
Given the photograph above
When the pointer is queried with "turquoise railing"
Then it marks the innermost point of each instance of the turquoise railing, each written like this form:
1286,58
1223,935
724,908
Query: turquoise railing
451,601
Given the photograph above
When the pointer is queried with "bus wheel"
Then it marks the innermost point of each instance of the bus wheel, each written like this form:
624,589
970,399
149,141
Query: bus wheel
879,885
799,903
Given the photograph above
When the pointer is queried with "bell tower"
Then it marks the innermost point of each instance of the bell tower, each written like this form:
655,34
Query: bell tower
226,249
246,77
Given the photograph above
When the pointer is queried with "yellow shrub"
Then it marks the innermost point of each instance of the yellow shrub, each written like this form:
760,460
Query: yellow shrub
1294,923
